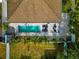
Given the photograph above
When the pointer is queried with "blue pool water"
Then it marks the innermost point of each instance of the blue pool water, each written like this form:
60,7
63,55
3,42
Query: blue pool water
29,28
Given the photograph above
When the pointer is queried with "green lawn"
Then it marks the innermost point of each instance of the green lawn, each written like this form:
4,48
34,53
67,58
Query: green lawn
23,48
19,49
35,51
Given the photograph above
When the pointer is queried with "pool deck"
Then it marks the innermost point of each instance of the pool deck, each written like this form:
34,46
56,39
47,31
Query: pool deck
50,31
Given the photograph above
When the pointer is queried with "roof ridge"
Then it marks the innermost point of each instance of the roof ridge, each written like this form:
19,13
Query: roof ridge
16,8
52,10
36,11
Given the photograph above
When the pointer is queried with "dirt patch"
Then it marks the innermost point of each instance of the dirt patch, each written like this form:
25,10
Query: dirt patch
2,51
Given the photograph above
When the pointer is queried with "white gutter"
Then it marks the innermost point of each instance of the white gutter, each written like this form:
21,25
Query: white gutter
7,51
7,47
4,11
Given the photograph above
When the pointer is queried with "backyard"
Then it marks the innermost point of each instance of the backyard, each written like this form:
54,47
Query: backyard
29,49
36,48
35,51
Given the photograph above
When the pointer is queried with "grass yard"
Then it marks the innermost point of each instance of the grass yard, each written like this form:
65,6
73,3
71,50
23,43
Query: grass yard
2,51
35,51
31,48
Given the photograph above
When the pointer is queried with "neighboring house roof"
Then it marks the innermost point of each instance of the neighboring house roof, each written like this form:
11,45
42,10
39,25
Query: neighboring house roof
34,11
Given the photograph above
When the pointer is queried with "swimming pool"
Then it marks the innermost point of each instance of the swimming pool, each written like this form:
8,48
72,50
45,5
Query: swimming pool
29,28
